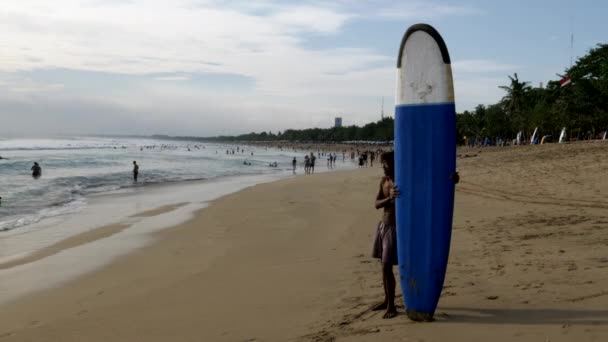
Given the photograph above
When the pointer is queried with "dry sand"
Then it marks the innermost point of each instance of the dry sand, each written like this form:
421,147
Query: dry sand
289,261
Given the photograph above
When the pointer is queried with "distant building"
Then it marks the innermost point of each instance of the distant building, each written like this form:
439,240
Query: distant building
338,122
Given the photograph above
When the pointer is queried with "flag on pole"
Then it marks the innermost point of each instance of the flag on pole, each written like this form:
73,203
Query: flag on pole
565,81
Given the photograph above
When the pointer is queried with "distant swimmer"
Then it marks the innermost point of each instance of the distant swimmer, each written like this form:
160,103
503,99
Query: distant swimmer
135,171
36,170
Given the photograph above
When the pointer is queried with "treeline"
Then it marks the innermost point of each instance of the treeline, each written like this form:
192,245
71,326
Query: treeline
380,131
581,107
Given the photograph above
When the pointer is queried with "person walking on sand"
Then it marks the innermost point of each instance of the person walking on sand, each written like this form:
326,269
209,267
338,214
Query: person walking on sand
293,164
312,162
385,241
36,170
135,171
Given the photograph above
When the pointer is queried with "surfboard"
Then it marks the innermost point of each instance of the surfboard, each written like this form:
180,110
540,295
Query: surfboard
533,136
425,160
562,136
519,138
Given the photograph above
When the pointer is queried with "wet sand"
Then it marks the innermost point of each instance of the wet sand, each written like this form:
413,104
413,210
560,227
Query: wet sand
289,261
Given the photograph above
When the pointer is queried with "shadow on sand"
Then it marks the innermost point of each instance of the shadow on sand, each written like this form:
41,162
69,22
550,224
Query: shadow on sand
521,316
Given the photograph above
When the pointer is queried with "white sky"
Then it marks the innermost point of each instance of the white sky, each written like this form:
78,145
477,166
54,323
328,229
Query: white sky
208,67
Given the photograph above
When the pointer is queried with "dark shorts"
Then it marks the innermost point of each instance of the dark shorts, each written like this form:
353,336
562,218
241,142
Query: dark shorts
385,244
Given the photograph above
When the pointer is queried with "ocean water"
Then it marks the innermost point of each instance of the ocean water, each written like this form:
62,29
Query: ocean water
74,168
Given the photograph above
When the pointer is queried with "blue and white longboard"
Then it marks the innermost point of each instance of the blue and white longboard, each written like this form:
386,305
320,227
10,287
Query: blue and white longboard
425,160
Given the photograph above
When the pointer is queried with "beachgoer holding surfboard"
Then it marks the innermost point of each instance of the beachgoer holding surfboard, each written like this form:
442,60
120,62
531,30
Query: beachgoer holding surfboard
385,241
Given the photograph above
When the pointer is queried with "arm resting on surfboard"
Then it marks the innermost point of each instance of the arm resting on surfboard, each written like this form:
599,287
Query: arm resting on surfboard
382,201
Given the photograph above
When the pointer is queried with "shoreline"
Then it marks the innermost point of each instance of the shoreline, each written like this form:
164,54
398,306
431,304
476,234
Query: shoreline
69,234
289,260
219,240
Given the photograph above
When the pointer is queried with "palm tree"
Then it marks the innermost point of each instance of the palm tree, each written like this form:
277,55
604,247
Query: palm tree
515,101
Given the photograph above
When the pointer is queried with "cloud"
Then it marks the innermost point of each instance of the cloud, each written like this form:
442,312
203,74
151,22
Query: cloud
473,90
311,19
172,78
146,37
424,10
481,66
161,49
11,86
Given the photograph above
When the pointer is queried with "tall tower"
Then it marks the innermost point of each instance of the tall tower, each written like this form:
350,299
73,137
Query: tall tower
382,109
338,122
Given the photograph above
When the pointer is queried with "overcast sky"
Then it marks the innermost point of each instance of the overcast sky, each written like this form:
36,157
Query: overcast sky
209,67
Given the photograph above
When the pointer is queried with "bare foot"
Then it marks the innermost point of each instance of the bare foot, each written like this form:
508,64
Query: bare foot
390,313
381,306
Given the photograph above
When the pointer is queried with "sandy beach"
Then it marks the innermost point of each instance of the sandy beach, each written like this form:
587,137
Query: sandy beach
290,261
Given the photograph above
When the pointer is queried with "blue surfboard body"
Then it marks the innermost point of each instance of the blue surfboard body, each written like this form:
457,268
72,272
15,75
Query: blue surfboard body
425,160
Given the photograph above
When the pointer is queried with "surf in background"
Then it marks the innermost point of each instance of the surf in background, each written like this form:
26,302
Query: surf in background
75,167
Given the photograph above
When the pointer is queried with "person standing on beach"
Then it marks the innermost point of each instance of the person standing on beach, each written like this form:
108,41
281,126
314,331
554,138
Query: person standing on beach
312,162
135,171
293,164
36,170
385,241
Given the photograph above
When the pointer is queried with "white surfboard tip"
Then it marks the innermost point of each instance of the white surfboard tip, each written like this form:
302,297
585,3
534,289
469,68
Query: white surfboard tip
424,72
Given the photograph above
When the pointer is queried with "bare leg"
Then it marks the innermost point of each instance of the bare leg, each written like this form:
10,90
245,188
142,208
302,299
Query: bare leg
389,285
384,304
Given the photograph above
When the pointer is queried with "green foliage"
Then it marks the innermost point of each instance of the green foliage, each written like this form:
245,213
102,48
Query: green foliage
581,106
375,131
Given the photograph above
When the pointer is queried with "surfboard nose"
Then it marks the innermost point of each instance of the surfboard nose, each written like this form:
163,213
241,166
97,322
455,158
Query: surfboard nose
424,72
